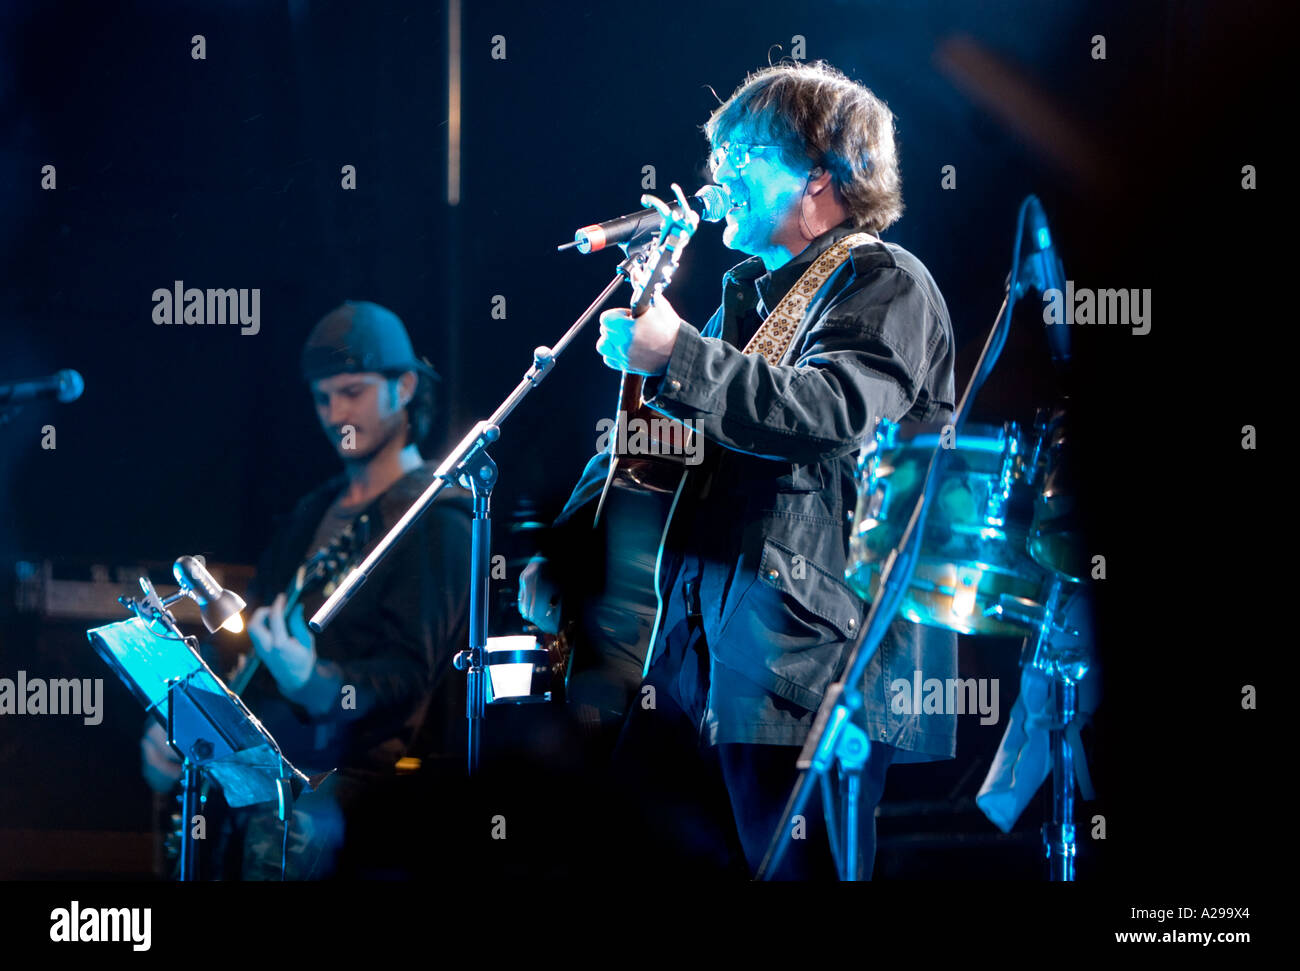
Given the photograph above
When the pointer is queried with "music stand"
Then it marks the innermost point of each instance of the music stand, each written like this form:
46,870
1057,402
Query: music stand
207,723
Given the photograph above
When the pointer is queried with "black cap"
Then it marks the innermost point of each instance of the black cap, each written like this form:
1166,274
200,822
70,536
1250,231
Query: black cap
360,336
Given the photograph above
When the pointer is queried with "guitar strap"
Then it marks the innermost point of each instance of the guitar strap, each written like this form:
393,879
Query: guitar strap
773,337
771,340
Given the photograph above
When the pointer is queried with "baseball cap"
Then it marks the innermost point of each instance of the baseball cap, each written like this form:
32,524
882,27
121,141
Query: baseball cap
360,336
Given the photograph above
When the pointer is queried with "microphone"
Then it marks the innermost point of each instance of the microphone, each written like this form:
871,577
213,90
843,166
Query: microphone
65,385
711,202
1041,270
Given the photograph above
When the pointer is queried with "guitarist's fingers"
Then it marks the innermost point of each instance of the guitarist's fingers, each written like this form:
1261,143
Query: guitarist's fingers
154,744
160,765
616,325
259,629
527,582
298,626
159,774
612,318
615,337
612,352
537,594
279,632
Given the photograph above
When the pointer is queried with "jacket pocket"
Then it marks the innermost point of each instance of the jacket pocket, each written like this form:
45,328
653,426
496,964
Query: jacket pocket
801,478
811,587
791,626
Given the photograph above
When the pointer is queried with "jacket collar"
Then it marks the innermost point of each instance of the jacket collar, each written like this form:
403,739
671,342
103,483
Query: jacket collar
774,285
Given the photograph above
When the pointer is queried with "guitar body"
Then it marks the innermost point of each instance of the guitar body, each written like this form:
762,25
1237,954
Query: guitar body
660,457
608,626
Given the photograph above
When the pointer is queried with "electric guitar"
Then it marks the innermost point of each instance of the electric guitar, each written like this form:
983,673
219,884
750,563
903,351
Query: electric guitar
322,569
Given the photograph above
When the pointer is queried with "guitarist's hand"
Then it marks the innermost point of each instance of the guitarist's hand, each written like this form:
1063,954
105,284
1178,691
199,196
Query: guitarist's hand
538,600
159,763
643,345
287,649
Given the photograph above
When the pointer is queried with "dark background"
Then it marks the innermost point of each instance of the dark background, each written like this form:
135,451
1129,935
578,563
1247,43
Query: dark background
225,172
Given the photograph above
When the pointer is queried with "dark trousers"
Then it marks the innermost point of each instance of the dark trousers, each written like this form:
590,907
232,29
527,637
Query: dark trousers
714,808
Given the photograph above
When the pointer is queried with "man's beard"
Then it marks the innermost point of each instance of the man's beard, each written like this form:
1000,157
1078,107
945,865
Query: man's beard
396,430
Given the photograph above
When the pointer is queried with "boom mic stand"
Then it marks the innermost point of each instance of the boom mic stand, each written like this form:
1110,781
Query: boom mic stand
472,467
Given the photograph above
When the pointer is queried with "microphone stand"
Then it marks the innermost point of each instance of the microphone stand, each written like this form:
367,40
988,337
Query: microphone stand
834,736
1065,666
470,465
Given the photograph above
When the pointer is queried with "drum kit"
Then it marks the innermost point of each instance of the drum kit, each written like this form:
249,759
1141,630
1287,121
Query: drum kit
1001,554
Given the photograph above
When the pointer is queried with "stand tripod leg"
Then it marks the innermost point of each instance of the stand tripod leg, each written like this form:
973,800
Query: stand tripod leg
476,693
852,795
479,478
1058,836
189,809
851,753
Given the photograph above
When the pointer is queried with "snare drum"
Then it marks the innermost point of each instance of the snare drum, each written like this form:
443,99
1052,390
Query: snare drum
973,549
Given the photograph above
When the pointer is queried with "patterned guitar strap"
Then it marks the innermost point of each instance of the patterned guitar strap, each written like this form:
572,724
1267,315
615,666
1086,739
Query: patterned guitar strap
773,337
771,340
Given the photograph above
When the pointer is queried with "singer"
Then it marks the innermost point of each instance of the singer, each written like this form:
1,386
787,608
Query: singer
755,619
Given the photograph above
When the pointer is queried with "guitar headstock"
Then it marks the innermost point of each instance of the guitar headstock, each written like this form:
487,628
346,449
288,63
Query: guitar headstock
331,562
665,253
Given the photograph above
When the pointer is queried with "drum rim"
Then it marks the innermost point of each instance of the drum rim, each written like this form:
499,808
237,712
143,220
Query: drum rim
912,433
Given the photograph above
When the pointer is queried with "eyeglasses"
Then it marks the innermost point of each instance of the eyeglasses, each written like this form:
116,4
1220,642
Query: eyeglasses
738,154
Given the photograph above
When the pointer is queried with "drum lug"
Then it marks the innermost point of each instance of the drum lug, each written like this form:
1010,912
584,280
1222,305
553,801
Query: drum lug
878,505
1030,467
886,434
994,514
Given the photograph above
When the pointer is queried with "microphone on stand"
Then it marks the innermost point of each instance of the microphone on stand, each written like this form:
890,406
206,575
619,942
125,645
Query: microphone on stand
711,202
65,385
1041,270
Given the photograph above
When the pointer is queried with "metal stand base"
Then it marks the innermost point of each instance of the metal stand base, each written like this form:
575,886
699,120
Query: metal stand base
1065,668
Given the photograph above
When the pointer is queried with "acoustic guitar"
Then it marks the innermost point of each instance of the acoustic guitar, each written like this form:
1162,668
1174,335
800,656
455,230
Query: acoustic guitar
608,629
